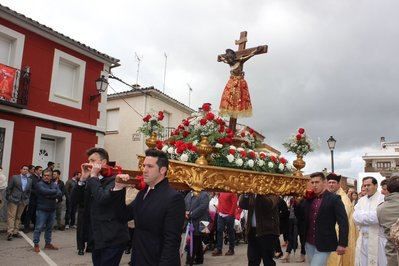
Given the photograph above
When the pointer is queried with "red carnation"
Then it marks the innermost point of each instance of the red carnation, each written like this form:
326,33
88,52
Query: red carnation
172,142
203,122
283,160
189,145
274,159
252,155
301,131
229,140
179,143
159,144
298,137
262,156
193,148
147,118
210,116
206,107
186,123
243,134
243,154
232,151
251,131
222,140
185,134
221,129
160,116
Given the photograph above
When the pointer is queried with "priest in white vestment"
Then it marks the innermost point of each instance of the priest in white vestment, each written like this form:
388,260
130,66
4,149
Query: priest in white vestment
370,246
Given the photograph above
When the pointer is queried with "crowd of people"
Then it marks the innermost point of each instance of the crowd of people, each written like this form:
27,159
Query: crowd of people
327,225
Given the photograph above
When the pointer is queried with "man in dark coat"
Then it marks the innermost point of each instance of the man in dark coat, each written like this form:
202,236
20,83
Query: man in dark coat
262,227
322,211
31,212
158,213
197,210
110,233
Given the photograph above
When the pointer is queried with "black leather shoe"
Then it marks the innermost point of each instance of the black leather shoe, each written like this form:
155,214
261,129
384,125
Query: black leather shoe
17,236
9,237
80,252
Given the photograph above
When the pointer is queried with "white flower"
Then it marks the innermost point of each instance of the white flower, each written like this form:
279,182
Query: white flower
230,158
218,145
251,163
184,157
261,163
195,142
232,147
239,162
171,150
270,164
165,148
281,166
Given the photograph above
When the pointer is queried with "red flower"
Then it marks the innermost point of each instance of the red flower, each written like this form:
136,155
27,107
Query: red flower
243,134
221,129
229,140
301,131
206,107
203,122
298,137
210,116
147,118
179,143
172,142
222,140
274,159
189,145
193,148
185,134
160,116
243,154
220,121
262,156
252,155
159,144
186,123
141,184
251,131
232,151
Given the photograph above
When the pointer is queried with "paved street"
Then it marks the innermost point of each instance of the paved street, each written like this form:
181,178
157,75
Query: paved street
20,252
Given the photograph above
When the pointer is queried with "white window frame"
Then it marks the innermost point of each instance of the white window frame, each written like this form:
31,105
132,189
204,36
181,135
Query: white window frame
75,102
18,41
9,126
106,124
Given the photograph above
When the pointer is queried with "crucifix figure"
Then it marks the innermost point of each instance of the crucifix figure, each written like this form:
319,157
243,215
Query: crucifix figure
236,101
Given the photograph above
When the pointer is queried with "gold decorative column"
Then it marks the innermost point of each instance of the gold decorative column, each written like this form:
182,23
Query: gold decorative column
204,149
151,142
299,163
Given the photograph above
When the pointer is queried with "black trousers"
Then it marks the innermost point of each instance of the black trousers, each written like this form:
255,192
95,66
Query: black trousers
260,248
70,212
109,256
198,252
30,216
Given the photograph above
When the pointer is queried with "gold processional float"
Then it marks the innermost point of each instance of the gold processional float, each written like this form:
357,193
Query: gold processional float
206,155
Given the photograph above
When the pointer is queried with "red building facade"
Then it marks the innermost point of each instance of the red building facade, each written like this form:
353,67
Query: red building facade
52,115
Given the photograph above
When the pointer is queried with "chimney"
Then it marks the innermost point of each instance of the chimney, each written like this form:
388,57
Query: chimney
382,142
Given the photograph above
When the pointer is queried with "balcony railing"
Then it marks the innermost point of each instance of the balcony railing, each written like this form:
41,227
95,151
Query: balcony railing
14,86
167,131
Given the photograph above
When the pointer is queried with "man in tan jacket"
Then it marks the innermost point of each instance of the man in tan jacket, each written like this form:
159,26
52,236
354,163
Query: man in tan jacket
388,214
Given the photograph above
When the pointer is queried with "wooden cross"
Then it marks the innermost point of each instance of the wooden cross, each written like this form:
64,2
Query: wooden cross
240,53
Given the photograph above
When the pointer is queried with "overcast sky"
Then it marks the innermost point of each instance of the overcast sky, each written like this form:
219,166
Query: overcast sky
332,66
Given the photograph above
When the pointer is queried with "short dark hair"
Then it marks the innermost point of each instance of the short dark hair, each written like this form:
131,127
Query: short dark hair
47,171
162,161
57,171
100,151
30,167
37,167
76,173
393,184
25,165
373,180
50,164
320,174
384,182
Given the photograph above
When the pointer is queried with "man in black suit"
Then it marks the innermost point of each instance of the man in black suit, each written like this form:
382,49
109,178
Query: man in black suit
322,211
110,233
158,212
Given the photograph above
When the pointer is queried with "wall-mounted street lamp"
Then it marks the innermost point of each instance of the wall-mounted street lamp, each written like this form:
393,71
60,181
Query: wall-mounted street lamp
101,84
331,145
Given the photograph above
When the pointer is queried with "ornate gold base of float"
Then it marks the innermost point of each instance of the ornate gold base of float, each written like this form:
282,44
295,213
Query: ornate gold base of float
190,176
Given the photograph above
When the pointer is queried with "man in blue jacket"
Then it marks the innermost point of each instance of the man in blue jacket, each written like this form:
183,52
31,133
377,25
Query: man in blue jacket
47,193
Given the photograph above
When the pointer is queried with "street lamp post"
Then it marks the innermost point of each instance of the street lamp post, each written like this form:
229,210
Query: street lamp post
331,145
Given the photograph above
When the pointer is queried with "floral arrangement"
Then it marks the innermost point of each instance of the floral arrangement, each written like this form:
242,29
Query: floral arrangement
152,124
181,145
299,143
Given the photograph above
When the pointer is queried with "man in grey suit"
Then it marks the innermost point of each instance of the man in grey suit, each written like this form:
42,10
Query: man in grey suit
17,195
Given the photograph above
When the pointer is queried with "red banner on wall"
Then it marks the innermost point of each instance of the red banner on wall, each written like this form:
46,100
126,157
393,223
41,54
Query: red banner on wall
7,77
